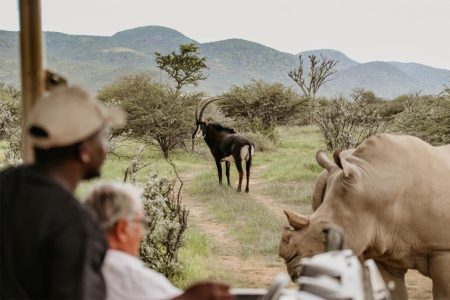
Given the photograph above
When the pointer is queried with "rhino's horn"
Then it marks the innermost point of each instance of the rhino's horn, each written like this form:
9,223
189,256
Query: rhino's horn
295,220
324,161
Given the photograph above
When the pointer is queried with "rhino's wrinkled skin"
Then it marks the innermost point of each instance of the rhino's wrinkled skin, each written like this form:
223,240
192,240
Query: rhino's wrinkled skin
391,196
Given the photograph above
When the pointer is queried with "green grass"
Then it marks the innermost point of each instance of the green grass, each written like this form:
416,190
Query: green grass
295,157
291,171
200,262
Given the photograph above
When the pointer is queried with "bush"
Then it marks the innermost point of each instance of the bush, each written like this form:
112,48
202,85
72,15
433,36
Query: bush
10,130
261,106
262,143
164,235
345,124
167,219
426,118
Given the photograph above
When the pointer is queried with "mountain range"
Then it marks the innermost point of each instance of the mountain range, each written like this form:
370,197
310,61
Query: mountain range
95,61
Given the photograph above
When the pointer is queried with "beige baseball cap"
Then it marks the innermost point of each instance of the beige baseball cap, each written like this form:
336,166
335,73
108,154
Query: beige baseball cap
68,115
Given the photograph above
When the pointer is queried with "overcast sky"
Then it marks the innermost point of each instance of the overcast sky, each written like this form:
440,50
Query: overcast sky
365,30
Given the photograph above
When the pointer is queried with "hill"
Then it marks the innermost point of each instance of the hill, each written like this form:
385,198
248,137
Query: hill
94,61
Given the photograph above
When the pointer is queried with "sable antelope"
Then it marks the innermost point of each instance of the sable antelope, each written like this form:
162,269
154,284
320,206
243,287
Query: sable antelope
225,144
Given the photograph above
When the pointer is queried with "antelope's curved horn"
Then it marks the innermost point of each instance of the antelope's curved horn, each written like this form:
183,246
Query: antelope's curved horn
324,161
196,110
206,102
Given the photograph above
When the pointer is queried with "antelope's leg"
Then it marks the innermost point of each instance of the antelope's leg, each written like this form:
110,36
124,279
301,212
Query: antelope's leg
227,171
241,172
248,164
219,170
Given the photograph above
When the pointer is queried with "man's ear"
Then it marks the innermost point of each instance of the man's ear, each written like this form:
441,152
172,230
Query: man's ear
120,230
84,153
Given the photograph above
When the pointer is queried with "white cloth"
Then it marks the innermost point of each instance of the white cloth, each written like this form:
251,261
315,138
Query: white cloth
128,278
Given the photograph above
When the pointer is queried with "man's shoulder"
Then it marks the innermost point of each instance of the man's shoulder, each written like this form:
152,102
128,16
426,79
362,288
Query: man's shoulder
127,274
34,192
120,262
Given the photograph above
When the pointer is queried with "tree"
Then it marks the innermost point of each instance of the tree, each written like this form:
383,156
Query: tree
320,70
185,67
157,114
263,105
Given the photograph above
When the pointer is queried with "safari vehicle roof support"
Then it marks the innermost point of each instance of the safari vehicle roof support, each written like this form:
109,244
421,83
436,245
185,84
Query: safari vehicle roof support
31,63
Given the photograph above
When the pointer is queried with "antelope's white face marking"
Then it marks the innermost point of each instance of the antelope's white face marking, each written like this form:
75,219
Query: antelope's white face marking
199,132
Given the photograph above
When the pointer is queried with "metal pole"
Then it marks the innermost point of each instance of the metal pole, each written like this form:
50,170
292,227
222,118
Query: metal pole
31,64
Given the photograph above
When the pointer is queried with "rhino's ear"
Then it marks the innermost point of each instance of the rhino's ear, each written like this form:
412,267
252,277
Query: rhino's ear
341,158
323,160
295,220
351,171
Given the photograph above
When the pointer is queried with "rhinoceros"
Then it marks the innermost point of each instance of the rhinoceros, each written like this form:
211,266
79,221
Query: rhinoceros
391,197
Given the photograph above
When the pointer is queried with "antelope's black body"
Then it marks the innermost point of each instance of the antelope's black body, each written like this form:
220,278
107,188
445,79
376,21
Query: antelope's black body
225,145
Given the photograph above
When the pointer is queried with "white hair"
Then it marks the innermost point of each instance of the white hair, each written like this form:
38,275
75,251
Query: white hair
112,201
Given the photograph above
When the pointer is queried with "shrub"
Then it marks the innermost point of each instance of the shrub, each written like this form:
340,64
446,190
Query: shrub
426,118
261,106
167,219
262,143
345,124
164,234
10,130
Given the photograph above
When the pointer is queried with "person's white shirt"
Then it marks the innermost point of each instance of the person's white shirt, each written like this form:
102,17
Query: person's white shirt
127,277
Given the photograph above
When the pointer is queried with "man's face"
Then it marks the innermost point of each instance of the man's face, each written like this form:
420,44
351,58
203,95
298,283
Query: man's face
93,153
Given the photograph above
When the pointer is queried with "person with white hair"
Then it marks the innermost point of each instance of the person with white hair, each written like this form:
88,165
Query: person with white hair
119,209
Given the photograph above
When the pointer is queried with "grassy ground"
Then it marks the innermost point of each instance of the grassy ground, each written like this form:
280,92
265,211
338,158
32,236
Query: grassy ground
200,261
292,169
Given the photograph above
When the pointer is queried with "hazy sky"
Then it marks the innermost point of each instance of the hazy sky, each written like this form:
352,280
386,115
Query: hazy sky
365,30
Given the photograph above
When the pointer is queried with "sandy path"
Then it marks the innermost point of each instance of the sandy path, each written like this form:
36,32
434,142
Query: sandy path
257,271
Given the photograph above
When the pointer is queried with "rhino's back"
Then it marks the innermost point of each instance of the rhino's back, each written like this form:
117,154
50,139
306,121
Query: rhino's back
415,178
394,153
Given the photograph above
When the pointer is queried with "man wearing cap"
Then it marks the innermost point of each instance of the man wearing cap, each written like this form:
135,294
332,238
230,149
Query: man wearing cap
51,247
